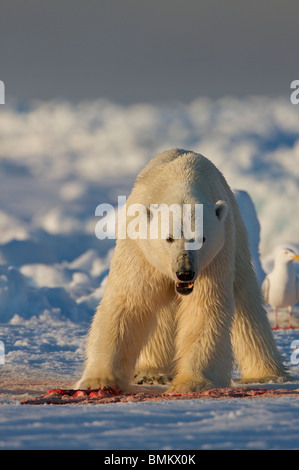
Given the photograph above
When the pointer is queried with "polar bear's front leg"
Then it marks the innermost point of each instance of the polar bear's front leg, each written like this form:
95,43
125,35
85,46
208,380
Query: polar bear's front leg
114,343
125,318
204,351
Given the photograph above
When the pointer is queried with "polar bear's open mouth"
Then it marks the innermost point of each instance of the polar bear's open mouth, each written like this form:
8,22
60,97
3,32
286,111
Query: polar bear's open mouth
184,288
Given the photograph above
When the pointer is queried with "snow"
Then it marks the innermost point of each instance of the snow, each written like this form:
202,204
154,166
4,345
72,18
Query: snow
164,426
58,161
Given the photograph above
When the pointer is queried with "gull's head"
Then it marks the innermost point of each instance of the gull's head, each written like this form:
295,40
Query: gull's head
286,255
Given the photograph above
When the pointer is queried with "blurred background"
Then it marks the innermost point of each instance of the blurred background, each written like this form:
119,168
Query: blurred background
96,88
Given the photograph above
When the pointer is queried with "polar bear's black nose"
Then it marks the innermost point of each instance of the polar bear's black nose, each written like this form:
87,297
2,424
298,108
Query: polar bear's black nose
185,276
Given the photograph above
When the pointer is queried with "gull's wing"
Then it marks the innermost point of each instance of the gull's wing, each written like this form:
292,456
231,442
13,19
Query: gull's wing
266,287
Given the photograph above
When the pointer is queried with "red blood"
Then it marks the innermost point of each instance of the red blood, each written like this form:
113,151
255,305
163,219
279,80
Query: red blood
80,393
113,394
54,391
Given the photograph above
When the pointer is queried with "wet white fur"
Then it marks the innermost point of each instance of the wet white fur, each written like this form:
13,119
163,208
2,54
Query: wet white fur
142,323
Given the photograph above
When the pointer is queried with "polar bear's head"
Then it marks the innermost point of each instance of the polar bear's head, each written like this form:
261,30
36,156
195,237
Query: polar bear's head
182,258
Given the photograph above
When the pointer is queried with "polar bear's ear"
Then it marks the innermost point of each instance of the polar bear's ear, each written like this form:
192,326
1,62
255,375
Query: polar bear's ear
221,210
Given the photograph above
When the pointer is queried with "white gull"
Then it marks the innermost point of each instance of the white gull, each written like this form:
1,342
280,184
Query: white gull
281,287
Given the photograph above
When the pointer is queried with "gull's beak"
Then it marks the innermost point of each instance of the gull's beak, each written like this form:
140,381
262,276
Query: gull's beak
296,257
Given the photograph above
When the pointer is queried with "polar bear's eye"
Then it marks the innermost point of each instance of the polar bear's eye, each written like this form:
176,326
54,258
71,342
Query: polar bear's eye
170,240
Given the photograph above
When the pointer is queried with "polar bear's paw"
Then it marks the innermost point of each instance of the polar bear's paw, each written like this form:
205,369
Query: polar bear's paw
155,379
89,383
263,380
190,386
94,383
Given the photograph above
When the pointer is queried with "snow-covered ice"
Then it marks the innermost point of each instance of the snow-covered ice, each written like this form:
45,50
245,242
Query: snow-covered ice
188,425
57,163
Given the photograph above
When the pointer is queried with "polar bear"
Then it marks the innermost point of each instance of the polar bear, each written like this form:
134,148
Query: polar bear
191,313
